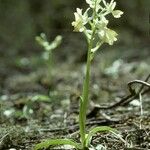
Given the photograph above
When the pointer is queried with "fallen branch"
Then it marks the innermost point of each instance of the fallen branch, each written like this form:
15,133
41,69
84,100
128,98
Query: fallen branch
126,100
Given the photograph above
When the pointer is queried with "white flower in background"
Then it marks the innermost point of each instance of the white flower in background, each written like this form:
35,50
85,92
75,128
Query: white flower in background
107,36
42,40
80,20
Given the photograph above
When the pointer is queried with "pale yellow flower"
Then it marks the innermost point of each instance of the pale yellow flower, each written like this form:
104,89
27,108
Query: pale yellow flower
110,9
110,6
85,23
117,13
80,20
107,35
103,22
94,4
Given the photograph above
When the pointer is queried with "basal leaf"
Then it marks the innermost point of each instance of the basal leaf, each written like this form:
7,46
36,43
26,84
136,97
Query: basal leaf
56,142
98,129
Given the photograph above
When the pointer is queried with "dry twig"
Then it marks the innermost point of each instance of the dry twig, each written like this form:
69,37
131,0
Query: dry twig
126,100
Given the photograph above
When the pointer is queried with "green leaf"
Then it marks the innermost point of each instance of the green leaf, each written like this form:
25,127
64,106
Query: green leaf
55,142
98,129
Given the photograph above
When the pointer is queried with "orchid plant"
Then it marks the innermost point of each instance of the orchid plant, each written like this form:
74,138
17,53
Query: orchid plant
93,23
48,47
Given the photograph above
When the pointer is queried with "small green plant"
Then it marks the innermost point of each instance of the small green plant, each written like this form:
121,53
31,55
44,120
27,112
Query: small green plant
93,23
48,47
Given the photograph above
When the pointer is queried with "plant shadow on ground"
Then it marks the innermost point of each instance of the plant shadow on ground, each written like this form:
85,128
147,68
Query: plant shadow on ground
34,108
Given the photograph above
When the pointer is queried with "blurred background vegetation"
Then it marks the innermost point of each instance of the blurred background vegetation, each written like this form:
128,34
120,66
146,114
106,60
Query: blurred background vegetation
22,20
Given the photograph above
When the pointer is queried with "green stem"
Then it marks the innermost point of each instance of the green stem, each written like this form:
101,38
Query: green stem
49,64
85,93
85,96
